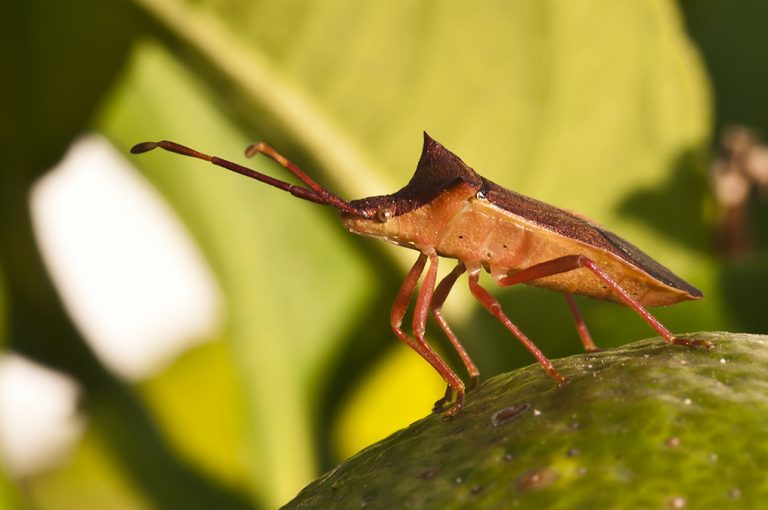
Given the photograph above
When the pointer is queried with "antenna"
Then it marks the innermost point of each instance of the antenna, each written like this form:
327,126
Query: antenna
317,193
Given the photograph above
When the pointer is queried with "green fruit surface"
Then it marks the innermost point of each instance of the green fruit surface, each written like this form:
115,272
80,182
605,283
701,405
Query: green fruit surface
648,425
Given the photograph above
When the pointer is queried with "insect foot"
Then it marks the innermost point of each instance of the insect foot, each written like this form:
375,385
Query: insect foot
692,342
450,404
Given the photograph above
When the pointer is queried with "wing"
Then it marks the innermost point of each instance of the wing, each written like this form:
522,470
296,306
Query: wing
570,225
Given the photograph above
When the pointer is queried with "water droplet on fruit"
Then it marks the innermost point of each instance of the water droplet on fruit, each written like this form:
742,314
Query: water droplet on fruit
367,499
427,474
536,479
678,502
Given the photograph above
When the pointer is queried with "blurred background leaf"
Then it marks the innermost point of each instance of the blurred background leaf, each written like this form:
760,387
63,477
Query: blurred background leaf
733,43
7,499
598,107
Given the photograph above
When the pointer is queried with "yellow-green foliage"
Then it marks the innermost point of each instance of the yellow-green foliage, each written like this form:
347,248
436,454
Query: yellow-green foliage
601,107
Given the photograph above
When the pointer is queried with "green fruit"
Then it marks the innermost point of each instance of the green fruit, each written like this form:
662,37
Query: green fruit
648,425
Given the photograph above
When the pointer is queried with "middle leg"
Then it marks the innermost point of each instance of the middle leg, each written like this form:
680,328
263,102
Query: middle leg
438,299
581,326
441,293
492,305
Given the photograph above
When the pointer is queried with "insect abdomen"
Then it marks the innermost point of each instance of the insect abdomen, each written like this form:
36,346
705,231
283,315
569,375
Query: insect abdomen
483,235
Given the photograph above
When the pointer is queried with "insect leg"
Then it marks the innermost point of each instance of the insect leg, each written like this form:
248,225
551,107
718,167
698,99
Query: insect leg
637,307
420,313
492,305
441,293
581,326
571,262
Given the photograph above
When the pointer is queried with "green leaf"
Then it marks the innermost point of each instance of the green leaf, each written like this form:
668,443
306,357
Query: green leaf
91,477
206,414
54,75
648,425
535,95
6,491
8,498
3,312
733,44
606,118
274,268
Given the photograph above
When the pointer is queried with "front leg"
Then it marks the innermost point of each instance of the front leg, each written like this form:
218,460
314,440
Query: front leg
420,313
438,299
492,305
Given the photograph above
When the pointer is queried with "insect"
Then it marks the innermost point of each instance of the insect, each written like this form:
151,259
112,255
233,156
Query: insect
449,210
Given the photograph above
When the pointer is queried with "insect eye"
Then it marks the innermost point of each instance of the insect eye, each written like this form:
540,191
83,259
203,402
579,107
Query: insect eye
383,215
